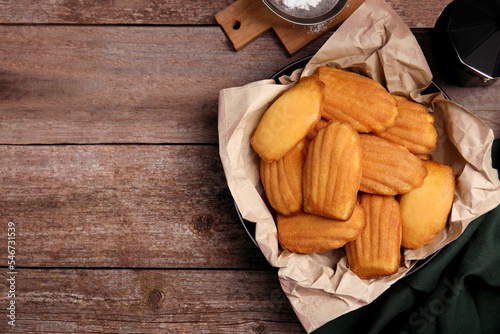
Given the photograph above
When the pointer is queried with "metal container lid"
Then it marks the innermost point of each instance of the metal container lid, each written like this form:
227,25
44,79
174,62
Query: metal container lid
471,29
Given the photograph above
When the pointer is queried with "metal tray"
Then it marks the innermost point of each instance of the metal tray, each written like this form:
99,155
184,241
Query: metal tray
288,70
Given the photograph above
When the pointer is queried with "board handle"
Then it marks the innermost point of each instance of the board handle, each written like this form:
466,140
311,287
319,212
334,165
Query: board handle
244,21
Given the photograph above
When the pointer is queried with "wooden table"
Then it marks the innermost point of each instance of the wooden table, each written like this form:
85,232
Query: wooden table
110,170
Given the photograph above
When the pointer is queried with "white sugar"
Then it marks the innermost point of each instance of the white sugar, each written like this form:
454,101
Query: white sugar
301,4
305,8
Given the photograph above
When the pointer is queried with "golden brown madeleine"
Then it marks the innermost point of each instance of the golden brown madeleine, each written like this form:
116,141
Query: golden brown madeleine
425,210
289,119
423,156
387,168
282,180
377,251
413,129
307,233
332,172
314,131
356,99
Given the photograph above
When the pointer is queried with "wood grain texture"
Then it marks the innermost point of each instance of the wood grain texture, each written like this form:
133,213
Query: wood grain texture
124,230
416,14
253,18
63,84
121,206
79,84
149,301
164,12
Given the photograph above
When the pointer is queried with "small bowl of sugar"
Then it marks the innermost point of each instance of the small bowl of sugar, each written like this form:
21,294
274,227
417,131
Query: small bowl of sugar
306,12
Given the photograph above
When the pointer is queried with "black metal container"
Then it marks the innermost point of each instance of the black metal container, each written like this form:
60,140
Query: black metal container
466,42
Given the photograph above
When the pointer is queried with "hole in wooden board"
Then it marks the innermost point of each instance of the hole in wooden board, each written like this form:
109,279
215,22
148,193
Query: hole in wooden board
236,25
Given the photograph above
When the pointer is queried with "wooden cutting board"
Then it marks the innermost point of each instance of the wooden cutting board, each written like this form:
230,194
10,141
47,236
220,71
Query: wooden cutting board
246,20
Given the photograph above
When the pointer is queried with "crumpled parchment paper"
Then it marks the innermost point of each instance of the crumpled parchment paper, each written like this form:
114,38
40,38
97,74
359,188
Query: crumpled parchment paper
375,42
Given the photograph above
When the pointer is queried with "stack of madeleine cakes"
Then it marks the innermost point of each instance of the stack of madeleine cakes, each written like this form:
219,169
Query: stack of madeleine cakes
345,164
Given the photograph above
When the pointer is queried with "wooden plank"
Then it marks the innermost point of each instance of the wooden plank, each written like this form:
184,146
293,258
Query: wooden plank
419,14
168,12
67,84
416,14
121,206
478,100
253,19
73,84
149,301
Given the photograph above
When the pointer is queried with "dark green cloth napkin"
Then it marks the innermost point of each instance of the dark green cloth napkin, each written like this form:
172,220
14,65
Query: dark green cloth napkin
458,291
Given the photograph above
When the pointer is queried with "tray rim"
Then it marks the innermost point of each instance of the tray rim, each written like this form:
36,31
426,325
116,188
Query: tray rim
249,226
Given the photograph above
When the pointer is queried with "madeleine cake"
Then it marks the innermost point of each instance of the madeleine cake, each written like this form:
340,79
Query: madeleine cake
282,180
308,233
289,119
413,128
314,131
377,250
356,99
387,168
332,172
425,210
